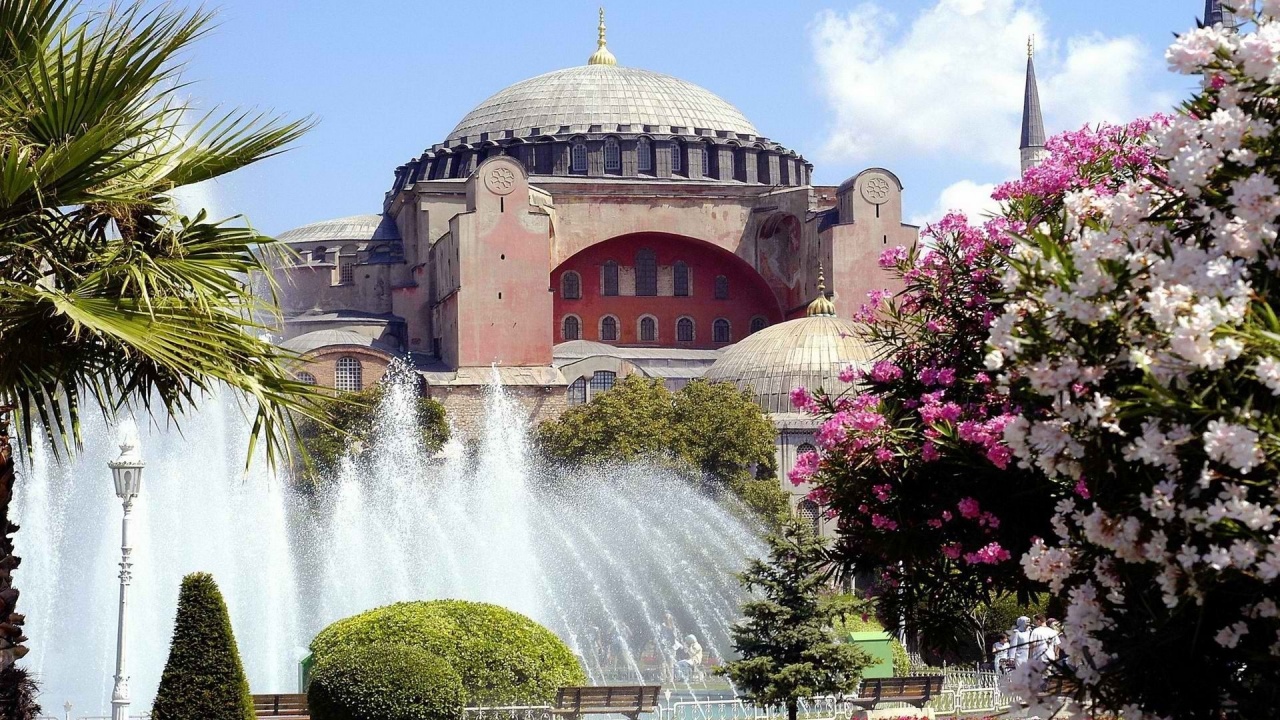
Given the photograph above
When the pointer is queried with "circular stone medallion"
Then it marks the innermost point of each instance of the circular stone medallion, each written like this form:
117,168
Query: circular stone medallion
500,180
876,190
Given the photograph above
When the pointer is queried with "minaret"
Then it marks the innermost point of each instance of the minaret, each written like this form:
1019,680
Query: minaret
1214,14
602,56
1032,146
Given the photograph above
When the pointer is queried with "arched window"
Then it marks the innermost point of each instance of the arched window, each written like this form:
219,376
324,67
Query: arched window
578,391
571,286
610,280
572,328
320,254
612,155
646,273
757,323
809,514
306,377
531,159
644,155
578,156
722,287
684,329
708,150
602,381
720,331
677,157
805,448
348,375
609,328
680,273
346,269
648,329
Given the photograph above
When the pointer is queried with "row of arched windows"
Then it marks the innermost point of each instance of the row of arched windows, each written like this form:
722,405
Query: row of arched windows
645,156
646,274
647,329
348,375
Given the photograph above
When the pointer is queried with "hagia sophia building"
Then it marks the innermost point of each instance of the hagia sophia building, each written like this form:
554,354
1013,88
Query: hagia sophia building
593,223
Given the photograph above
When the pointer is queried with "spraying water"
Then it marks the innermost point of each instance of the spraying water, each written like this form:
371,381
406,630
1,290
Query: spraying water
616,561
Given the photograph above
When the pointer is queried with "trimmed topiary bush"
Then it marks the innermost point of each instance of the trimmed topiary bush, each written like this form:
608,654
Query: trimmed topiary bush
502,656
385,682
203,679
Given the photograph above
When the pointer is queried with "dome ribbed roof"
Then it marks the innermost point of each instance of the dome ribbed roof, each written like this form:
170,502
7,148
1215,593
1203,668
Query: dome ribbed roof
808,352
355,227
603,95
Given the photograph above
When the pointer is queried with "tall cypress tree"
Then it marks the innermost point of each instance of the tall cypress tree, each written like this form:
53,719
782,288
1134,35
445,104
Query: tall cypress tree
203,679
788,648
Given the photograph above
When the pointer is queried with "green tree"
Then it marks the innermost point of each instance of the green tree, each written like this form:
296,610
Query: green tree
350,425
385,682
203,678
109,295
710,427
786,639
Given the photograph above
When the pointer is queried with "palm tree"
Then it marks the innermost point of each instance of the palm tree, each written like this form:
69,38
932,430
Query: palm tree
109,296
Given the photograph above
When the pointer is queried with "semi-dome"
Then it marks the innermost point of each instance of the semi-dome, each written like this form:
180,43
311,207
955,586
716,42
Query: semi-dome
360,228
808,352
600,98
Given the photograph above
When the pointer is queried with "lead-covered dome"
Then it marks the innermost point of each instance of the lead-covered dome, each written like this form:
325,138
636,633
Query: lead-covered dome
601,98
809,352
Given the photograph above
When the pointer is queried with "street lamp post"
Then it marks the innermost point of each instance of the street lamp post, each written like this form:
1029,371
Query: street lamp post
126,472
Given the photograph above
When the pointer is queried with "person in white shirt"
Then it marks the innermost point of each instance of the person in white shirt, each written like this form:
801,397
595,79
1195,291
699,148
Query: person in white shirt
1021,634
1000,653
1044,642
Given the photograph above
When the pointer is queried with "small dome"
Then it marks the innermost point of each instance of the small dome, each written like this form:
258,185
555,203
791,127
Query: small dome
808,352
360,228
603,95
317,339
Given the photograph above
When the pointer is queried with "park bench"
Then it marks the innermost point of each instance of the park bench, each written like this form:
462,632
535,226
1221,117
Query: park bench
293,707
915,691
628,700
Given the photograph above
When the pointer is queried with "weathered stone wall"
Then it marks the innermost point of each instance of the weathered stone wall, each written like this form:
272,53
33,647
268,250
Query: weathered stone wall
467,405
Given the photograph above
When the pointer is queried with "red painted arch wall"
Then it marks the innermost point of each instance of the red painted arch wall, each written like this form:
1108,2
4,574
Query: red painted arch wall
749,294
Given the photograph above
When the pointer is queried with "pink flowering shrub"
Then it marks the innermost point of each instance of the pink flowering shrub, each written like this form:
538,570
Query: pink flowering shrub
1142,341
915,465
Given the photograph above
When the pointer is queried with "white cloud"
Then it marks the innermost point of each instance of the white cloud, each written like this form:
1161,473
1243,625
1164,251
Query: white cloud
950,84
971,198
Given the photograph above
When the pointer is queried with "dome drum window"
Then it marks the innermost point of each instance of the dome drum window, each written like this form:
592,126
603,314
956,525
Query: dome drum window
646,273
578,391
602,381
578,156
644,155
612,155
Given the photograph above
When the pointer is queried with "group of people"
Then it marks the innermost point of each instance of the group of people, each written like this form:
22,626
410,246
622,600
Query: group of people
1029,640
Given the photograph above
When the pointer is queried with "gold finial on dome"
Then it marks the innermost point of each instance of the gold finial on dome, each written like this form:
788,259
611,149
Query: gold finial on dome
821,305
1031,45
602,56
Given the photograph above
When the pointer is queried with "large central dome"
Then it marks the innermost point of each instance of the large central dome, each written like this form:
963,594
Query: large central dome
595,98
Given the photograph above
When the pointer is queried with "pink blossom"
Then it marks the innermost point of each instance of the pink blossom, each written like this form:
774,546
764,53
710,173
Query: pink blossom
803,401
849,374
929,452
881,522
989,555
952,551
885,371
1082,488
969,508
891,257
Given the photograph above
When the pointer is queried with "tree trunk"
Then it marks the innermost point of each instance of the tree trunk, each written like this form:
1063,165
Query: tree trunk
793,709
16,691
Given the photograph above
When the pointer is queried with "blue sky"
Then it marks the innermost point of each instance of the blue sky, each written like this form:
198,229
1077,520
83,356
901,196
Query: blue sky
927,88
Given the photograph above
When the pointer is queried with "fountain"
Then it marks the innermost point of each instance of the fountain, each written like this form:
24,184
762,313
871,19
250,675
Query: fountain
599,557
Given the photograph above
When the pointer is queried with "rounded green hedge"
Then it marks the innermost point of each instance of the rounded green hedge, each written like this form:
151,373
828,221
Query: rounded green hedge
385,682
503,657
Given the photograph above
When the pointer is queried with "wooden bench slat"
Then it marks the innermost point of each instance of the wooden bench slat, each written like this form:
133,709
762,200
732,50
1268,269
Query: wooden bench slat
606,699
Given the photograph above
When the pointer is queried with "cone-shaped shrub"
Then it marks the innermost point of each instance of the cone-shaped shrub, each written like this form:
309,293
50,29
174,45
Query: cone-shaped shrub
203,679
